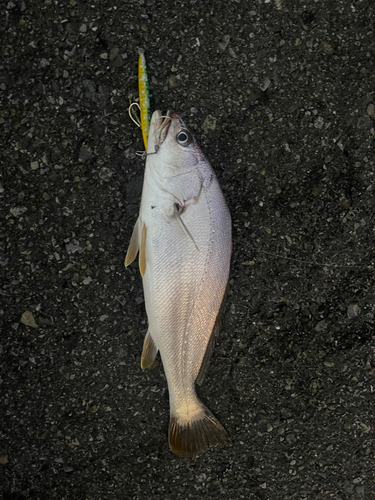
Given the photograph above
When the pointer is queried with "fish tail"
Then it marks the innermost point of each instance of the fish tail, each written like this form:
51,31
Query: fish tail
190,438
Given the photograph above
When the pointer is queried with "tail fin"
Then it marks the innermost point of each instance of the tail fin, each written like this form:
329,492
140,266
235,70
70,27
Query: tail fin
192,438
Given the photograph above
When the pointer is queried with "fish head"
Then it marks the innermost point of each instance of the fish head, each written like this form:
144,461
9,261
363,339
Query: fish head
172,149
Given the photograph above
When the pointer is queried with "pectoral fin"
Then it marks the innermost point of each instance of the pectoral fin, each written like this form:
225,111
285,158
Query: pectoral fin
185,229
133,245
149,352
142,251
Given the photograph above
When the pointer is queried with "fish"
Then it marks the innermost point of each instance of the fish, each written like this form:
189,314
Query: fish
183,238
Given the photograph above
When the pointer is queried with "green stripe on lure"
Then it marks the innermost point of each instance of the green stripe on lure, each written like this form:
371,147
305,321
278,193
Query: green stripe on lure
144,96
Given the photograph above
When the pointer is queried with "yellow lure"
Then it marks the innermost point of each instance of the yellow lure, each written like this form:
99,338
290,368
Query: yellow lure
144,96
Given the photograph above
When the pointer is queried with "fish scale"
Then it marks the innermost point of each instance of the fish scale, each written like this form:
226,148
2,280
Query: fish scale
184,262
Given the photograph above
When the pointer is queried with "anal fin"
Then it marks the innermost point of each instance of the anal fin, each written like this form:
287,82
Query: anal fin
149,352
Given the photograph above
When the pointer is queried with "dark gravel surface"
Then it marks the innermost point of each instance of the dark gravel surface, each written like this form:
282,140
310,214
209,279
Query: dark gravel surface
281,97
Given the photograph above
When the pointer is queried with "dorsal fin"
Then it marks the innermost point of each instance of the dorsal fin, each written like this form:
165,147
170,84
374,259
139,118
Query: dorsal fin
211,343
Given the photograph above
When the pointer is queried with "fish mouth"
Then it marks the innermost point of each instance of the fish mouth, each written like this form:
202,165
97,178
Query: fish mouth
165,123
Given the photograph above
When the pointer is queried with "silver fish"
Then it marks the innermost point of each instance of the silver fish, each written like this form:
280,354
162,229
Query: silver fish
183,235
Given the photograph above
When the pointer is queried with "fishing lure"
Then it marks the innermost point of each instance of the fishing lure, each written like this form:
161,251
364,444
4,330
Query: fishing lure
144,100
144,96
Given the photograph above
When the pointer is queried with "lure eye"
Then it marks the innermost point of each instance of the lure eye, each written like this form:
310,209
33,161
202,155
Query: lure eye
184,138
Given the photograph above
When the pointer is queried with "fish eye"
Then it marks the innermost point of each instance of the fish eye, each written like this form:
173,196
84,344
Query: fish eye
184,138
